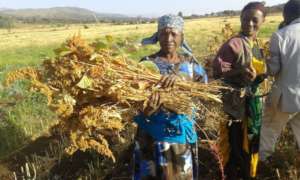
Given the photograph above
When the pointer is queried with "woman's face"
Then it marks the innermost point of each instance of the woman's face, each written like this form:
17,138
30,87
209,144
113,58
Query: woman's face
251,21
170,39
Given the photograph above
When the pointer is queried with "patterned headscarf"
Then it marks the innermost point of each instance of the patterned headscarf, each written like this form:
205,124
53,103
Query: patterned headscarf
170,21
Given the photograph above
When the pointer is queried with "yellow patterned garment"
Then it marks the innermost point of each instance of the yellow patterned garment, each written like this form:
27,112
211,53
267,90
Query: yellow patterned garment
258,64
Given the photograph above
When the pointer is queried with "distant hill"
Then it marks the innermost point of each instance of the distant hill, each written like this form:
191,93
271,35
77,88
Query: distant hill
81,15
59,14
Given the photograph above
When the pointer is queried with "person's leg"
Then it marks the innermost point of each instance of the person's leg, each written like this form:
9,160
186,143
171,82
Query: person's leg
232,168
144,162
274,121
295,125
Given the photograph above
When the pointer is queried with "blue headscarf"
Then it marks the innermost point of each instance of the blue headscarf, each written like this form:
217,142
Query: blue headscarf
171,21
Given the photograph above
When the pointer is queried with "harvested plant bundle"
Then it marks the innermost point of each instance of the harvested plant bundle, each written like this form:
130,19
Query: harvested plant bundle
96,94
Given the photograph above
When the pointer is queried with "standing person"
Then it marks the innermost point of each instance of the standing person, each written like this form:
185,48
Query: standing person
283,103
166,142
239,64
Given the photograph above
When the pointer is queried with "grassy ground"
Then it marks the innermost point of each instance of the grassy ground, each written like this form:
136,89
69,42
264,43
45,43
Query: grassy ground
24,115
30,55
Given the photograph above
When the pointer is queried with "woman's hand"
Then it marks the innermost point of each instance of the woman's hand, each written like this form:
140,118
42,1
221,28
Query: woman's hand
250,73
153,104
167,81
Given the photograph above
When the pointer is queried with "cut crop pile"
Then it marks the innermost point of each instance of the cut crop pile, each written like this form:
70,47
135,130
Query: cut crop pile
96,93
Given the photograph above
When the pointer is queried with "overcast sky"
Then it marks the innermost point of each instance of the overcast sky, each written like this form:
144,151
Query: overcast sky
138,7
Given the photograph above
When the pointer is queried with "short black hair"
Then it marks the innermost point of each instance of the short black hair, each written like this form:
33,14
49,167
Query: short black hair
256,5
291,11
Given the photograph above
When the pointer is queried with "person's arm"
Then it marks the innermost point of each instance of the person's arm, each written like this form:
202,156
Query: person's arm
224,61
224,69
227,57
274,63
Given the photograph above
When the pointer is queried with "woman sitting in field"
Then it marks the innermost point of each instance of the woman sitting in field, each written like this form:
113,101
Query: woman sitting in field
166,142
239,64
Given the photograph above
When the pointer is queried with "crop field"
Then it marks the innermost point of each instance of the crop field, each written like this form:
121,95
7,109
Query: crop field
27,121
28,45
